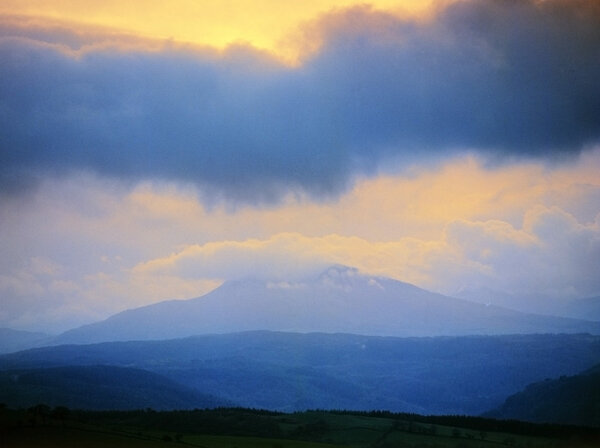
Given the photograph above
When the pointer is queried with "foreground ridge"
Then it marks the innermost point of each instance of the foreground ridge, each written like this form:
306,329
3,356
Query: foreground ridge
251,427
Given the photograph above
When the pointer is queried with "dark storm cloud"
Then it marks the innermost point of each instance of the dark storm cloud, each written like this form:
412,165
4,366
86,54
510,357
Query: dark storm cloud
506,78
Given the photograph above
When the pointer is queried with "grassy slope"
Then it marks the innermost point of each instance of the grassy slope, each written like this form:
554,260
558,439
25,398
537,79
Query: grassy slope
300,430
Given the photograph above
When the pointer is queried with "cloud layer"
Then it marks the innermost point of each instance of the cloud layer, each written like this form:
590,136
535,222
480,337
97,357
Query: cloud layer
271,25
506,79
553,256
82,248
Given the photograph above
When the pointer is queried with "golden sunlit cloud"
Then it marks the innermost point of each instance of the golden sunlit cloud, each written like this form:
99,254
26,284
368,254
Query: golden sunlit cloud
293,256
270,25
475,253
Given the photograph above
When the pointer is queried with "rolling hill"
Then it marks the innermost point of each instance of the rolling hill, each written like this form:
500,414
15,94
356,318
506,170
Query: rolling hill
573,400
291,371
15,340
99,388
588,308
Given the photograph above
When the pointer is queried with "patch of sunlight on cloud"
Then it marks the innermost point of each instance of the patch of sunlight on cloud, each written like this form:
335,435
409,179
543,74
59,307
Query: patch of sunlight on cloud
271,25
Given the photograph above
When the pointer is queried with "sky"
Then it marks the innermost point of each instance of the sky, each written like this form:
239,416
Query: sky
153,150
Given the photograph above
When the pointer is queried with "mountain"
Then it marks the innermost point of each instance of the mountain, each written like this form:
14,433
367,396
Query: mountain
339,300
292,371
100,388
572,400
586,308
15,340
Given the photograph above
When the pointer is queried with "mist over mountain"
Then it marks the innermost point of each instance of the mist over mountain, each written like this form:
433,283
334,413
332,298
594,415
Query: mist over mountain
340,300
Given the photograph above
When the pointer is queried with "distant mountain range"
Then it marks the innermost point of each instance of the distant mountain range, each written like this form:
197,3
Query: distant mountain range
291,371
583,308
567,400
340,300
588,308
339,340
15,340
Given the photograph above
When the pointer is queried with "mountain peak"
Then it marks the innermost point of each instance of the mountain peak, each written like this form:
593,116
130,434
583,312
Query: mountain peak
349,279
339,273
341,270
339,300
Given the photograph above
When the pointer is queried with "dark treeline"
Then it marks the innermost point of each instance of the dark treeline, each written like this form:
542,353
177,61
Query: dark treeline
260,422
218,421
308,425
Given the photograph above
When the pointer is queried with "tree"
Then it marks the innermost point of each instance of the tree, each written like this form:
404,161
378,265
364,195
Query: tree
39,411
61,413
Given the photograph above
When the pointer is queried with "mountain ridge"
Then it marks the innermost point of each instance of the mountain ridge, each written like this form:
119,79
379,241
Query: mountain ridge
339,300
14,340
573,400
99,387
292,371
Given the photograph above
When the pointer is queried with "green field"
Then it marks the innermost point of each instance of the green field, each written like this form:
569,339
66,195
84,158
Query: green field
244,428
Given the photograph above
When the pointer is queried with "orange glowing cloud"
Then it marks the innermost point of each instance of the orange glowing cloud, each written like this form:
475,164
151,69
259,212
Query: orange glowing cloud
265,24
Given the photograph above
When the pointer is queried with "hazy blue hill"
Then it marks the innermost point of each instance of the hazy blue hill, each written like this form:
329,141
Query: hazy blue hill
583,308
14,340
287,371
341,300
588,308
568,400
99,387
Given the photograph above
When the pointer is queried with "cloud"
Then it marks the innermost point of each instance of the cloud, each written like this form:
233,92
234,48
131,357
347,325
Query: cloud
267,25
38,296
293,256
552,255
506,79
81,248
